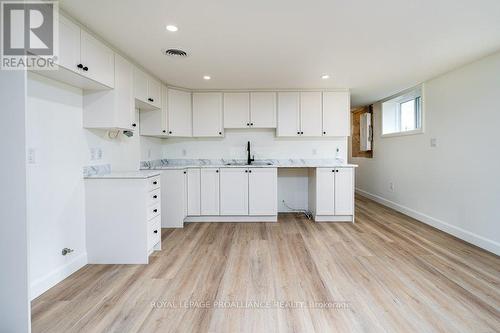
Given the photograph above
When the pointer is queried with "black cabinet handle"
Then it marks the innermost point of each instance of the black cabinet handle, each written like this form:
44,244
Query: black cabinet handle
155,196
333,170
134,125
155,210
79,66
151,100
164,131
156,231
251,124
155,182
85,68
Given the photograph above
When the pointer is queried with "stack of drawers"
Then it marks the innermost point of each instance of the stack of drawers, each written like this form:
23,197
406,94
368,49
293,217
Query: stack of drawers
153,213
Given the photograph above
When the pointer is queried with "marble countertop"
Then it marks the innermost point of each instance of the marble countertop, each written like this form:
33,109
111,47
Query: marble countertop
165,164
104,172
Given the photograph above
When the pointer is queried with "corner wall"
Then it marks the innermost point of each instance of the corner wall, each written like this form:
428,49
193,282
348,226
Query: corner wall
455,186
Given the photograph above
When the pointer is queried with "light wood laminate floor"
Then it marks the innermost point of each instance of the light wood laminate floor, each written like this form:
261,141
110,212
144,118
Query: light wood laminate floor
386,273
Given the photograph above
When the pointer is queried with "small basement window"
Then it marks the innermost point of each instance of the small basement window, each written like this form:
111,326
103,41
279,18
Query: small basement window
402,114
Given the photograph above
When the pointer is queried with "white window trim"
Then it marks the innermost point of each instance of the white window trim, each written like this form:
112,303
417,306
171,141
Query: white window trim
422,113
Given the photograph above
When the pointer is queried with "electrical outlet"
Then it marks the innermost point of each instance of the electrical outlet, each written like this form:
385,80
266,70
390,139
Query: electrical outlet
391,186
92,154
184,152
315,151
99,153
434,142
31,156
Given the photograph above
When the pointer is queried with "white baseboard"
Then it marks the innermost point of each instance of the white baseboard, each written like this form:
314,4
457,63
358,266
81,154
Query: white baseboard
41,285
333,218
480,241
243,218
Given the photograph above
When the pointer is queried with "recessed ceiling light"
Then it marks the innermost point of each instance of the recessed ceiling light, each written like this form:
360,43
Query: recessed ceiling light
172,28
325,76
206,77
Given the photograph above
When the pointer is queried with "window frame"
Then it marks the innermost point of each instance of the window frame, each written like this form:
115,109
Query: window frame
414,93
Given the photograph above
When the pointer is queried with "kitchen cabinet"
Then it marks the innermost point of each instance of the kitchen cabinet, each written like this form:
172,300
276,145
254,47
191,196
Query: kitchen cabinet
147,91
334,191
262,191
112,109
123,218
263,109
174,198
336,113
288,114
155,122
310,114
209,191
207,114
234,191
193,192
179,113
97,60
237,110
84,61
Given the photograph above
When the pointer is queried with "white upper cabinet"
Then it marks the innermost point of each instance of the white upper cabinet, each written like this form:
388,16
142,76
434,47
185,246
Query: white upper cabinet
147,91
97,60
263,109
288,114
237,110
154,122
336,113
310,114
209,191
344,191
179,113
234,191
69,44
207,114
112,108
262,191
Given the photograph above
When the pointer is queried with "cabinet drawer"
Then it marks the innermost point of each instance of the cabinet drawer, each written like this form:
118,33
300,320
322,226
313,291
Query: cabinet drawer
154,232
153,197
154,183
153,211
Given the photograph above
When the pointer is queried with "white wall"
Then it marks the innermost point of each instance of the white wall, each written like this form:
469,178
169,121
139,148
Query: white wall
56,207
456,185
14,272
292,184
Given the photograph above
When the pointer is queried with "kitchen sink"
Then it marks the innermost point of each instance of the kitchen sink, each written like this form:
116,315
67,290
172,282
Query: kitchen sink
255,163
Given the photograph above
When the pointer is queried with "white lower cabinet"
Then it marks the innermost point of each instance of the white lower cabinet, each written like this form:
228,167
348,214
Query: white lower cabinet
333,192
209,191
122,219
174,202
234,191
193,192
262,191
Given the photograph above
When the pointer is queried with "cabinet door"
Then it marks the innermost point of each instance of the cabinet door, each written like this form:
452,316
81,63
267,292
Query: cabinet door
263,109
336,113
154,122
325,191
140,85
288,114
209,191
262,191
233,191
344,191
207,114
69,44
154,92
236,110
98,59
124,93
193,192
311,113
179,112
173,198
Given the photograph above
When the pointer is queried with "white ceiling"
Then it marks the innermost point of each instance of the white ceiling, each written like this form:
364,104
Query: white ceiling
375,48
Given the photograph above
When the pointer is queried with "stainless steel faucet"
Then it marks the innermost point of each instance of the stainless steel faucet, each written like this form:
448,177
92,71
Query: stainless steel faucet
249,159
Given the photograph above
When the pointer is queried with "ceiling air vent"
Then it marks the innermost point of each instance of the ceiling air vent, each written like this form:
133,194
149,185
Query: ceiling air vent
175,53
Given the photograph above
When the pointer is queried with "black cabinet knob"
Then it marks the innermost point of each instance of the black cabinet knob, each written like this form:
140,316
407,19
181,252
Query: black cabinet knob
248,124
298,132
155,210
156,231
324,132
155,196
134,125
246,171
79,66
220,133
250,171
151,100
217,171
155,182
185,172
169,132
301,132
164,131
85,68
